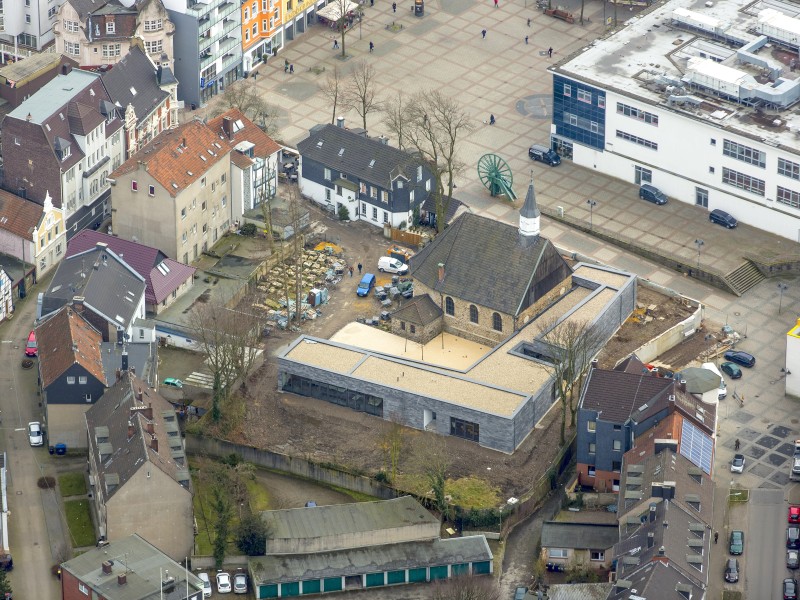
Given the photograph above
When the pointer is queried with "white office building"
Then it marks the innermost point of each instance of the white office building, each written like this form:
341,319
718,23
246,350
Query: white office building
27,24
699,100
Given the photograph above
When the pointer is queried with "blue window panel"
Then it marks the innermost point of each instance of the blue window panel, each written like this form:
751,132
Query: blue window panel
334,584
585,113
312,586
462,569
374,579
696,446
290,589
396,577
438,573
417,575
268,591
481,568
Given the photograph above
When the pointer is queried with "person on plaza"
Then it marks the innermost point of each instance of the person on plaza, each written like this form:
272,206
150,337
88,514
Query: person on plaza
291,68
496,5
359,268
526,40
529,21
491,120
335,44
371,47
483,33
550,52
285,65
372,2
394,7
351,270
716,536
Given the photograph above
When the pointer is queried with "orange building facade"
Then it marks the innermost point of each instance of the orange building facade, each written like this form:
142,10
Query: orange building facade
262,31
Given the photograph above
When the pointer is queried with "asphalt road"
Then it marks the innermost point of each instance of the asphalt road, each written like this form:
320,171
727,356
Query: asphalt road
765,550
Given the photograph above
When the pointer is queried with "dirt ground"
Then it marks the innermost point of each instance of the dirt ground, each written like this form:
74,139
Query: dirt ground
328,433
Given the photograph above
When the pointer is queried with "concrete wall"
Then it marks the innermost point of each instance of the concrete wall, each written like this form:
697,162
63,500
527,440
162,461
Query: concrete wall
156,507
297,544
793,365
421,334
670,338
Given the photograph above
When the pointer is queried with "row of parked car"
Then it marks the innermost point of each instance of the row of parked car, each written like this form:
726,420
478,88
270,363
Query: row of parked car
225,583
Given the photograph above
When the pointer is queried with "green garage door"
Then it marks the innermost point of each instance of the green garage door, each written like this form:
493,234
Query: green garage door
481,568
268,591
334,584
396,577
312,586
417,575
462,569
375,579
438,573
290,589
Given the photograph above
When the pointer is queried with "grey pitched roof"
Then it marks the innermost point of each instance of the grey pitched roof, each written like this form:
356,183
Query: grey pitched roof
578,591
343,150
108,285
620,395
530,210
165,75
485,263
420,310
121,451
453,207
82,118
583,536
133,81
699,380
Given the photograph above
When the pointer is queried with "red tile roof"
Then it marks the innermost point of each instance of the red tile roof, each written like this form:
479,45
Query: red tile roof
19,216
179,157
250,132
65,339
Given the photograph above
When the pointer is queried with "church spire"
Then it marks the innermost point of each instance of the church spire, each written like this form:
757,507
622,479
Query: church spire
529,217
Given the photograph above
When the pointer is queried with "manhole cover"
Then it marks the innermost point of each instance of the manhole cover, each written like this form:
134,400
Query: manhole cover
536,106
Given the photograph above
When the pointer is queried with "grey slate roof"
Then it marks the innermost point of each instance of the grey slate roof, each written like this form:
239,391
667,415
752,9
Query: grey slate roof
621,395
453,207
420,310
109,287
107,427
325,143
579,536
486,264
699,380
344,519
141,562
529,209
165,76
578,591
136,73
142,357
392,557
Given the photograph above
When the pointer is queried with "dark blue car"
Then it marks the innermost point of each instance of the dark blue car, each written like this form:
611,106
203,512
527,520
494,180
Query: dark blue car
741,358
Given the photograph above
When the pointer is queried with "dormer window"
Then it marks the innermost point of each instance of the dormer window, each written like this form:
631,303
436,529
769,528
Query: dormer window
110,27
65,152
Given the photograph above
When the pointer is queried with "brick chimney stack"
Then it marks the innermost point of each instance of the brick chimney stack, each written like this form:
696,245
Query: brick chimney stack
154,444
441,272
131,429
227,127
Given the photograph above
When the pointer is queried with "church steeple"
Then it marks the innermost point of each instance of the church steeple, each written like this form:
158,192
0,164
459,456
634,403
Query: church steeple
529,217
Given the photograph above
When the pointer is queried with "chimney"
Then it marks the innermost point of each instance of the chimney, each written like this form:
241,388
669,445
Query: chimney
148,412
118,374
441,272
340,123
652,514
149,428
595,362
384,140
66,69
139,395
29,117
650,539
77,303
133,370
227,127
154,444
107,567
183,142
682,385
662,551
124,361
131,430
122,579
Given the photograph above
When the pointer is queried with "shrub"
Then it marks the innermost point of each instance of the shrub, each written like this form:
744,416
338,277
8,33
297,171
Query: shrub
248,229
251,535
344,213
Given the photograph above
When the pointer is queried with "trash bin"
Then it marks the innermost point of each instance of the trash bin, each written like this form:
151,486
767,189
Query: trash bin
419,8
61,449
51,449
194,106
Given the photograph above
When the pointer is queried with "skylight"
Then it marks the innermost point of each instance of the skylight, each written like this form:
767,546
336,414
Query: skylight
372,163
341,151
133,90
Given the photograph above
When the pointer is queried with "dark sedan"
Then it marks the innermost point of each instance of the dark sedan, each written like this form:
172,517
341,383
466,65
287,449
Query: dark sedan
741,358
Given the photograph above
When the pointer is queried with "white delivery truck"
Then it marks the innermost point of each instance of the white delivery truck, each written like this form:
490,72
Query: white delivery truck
723,390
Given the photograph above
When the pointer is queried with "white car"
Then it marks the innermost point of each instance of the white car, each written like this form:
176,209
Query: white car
240,583
391,265
35,436
223,583
737,464
206,584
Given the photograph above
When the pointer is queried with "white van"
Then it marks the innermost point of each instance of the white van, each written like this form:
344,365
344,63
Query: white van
723,390
206,584
391,265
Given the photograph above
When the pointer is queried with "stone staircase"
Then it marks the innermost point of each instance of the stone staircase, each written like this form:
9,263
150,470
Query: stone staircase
744,277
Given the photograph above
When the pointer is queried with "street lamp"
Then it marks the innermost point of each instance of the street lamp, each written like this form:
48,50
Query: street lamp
699,243
782,287
592,204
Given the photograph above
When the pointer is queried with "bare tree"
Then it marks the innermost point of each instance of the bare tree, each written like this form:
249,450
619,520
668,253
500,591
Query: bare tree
342,21
245,97
392,444
334,91
433,461
569,345
467,587
396,117
433,124
360,94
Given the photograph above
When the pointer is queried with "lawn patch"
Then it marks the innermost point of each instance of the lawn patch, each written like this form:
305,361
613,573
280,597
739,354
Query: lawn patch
79,521
72,484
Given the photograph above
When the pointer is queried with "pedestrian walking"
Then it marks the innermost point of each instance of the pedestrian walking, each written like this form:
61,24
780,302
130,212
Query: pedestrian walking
736,444
291,68
285,66
483,33
716,536
351,270
371,47
372,2
491,120
394,7
359,268
529,21
496,5
550,52
335,44
526,40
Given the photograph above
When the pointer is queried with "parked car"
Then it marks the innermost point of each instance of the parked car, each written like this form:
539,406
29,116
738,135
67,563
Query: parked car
206,584
732,570
31,348
544,154
240,583
391,265
173,383
793,537
366,284
35,436
741,358
223,583
792,559
737,464
652,194
794,514
720,217
736,545
520,593
789,589
731,370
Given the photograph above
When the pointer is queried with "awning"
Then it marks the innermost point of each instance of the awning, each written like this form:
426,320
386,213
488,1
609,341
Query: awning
332,12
